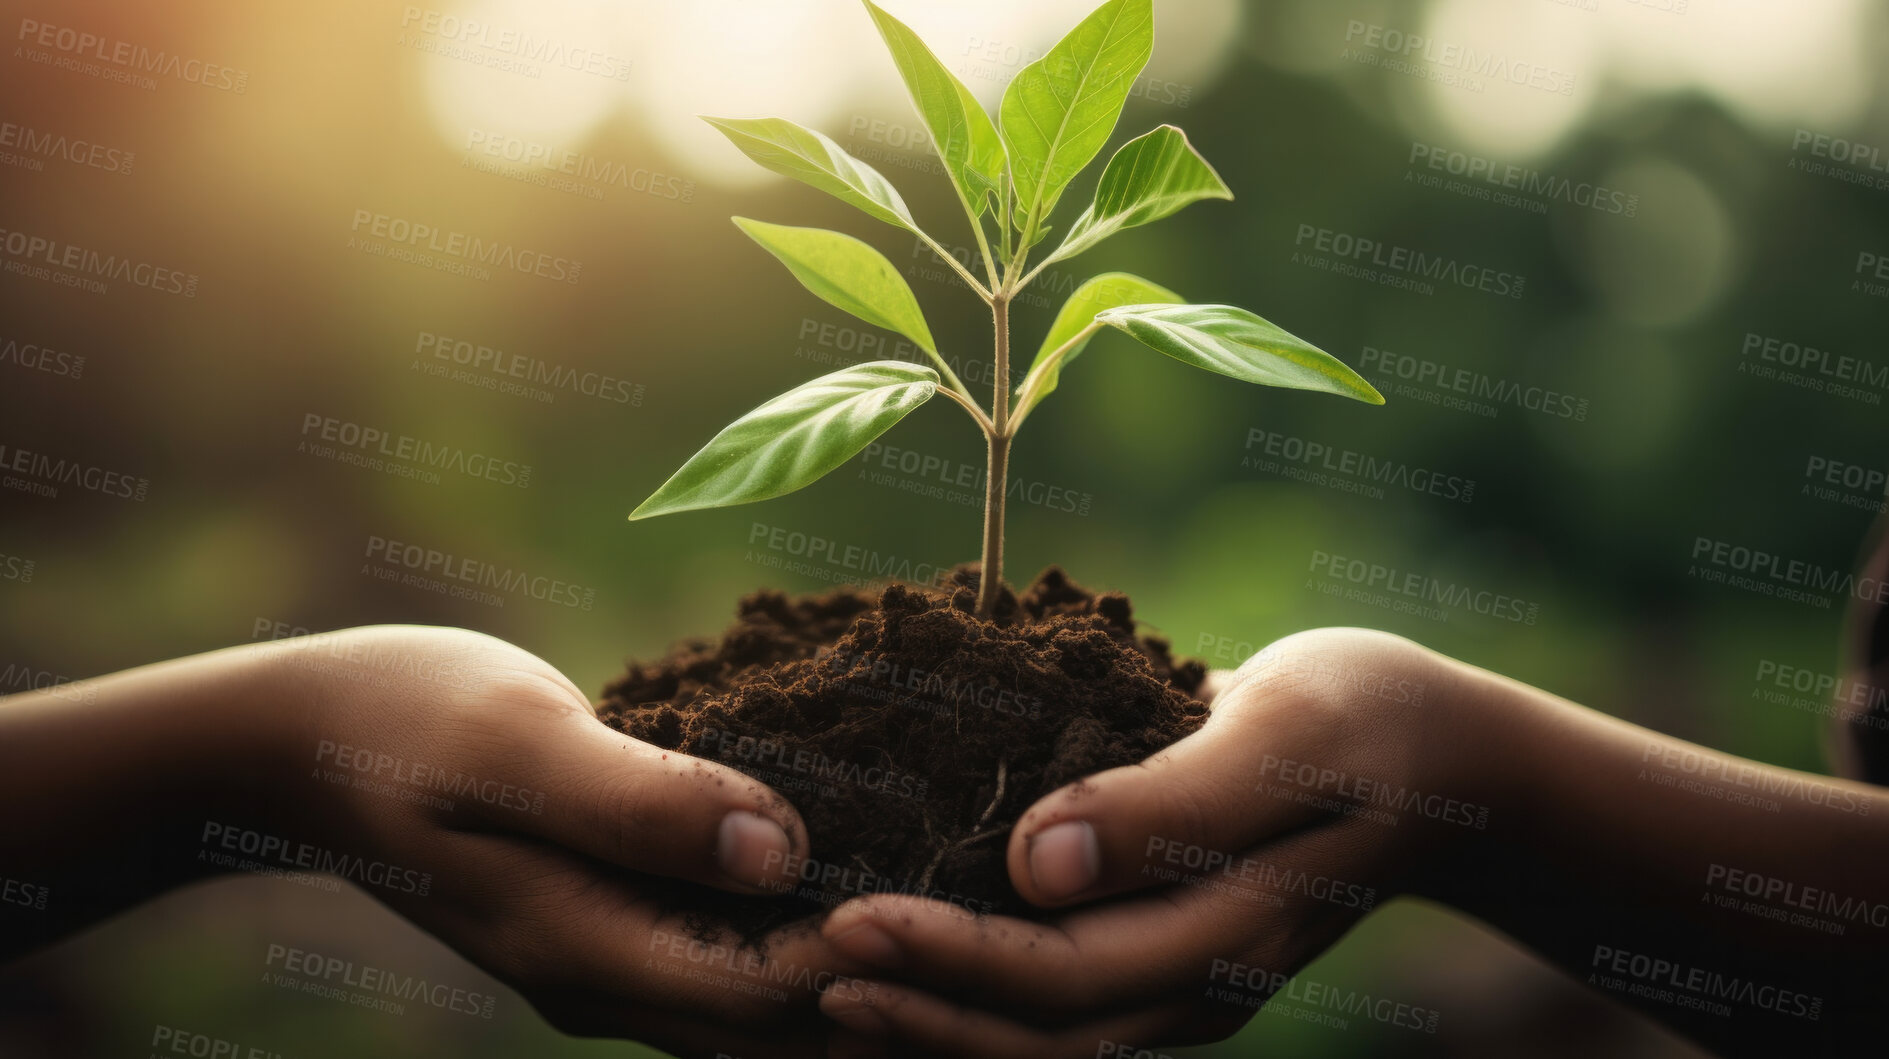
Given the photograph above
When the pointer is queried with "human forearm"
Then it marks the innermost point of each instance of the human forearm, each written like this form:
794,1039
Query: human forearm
111,782
1740,903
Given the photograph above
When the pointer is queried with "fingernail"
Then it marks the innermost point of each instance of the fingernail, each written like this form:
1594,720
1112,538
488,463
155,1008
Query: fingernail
854,1013
1064,859
752,848
870,945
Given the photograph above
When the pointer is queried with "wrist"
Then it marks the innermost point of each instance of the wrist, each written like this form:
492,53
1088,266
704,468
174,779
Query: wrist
253,729
1487,753
135,764
217,757
286,774
1426,744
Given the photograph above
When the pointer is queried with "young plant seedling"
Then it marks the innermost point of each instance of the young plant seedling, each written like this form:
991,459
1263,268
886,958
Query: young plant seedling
1055,117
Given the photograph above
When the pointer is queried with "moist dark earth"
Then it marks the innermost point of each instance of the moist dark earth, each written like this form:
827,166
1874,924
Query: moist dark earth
909,733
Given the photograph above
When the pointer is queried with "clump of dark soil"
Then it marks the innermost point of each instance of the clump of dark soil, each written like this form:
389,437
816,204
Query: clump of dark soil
909,733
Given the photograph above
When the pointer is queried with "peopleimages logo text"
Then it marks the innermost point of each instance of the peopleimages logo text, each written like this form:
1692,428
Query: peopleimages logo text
436,563
1315,460
77,150
376,982
1838,366
866,564
1420,586
35,357
420,236
276,851
1793,572
43,475
39,249
533,370
507,41
1523,180
1477,62
133,57
1471,383
577,165
1405,261
1708,989
375,441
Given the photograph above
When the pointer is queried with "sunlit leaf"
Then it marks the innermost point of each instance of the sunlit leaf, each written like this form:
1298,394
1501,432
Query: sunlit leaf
1234,342
846,273
1106,291
794,439
1151,177
963,134
1059,110
811,158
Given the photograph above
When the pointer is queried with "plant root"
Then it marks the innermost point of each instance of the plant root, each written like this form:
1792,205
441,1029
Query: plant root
924,881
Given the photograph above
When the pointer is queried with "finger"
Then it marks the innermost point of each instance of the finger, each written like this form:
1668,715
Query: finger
1017,965
547,922
902,1018
1105,955
723,981
632,804
1190,807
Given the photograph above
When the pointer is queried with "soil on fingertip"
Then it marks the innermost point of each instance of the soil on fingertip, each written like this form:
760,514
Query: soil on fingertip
909,733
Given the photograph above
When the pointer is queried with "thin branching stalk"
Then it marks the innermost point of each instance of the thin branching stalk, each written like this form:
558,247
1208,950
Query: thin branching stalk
983,246
963,273
953,386
1028,397
1040,266
969,405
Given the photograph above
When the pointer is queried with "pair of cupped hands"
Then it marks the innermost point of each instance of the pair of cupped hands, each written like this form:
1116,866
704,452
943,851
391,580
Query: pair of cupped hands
1182,890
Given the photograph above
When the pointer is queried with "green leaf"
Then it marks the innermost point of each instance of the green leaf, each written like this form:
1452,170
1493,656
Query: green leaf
811,158
966,139
1106,291
794,439
1059,110
846,273
1234,342
1151,177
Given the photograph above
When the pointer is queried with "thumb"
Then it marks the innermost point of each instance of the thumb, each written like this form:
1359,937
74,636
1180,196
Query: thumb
661,812
1189,810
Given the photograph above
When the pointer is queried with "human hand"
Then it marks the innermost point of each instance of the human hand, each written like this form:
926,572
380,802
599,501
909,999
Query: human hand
507,821
1331,775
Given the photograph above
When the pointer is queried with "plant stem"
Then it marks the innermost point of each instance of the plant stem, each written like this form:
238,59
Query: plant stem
991,565
991,568
1003,225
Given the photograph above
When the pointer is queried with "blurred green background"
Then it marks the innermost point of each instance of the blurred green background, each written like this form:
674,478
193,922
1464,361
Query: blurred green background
1728,126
